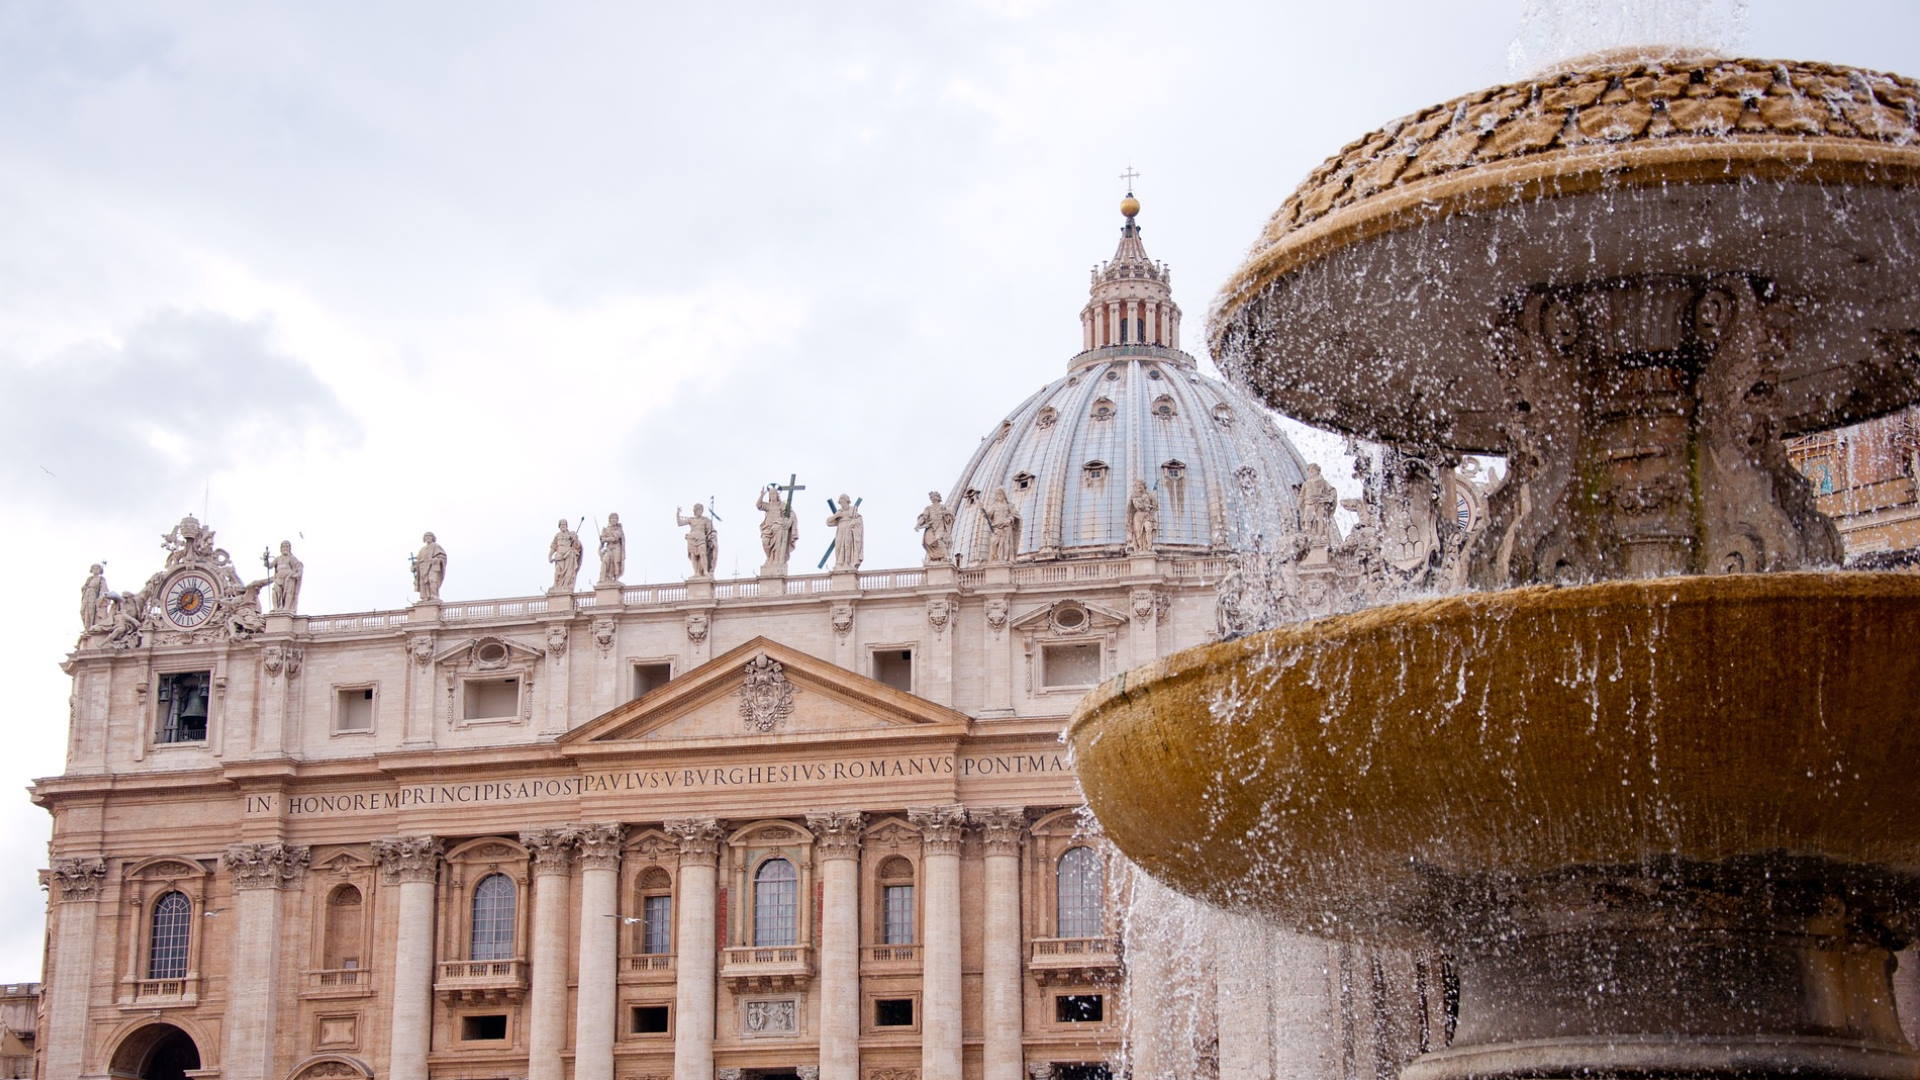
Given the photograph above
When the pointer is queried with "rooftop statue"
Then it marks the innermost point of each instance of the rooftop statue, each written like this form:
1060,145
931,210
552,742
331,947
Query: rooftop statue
565,553
703,540
613,551
429,569
936,530
288,572
779,529
849,534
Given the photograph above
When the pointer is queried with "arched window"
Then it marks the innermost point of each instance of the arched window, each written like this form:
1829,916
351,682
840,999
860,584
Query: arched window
656,912
896,902
1079,899
343,929
491,937
775,915
172,927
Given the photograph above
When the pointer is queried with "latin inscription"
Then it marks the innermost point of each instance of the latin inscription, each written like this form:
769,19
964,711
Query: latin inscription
690,778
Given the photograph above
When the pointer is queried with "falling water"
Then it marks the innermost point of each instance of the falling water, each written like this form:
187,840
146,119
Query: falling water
1554,31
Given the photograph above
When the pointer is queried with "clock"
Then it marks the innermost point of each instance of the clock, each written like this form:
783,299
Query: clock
189,600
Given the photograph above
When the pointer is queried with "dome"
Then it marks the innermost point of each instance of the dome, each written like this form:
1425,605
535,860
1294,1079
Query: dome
1068,456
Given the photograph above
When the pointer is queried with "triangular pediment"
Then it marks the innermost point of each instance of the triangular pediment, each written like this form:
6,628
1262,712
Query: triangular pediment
761,689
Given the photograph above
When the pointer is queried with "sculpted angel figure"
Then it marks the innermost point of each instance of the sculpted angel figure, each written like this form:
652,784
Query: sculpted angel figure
1317,502
1143,519
613,551
288,572
429,568
936,530
1003,525
564,553
849,534
703,540
779,529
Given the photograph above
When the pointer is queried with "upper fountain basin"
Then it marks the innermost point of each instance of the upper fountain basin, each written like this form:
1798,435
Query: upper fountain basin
1332,775
1368,303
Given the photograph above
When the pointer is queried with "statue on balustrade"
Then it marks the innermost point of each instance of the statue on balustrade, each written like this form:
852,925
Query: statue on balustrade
849,534
288,572
429,569
613,551
779,530
703,540
936,530
565,553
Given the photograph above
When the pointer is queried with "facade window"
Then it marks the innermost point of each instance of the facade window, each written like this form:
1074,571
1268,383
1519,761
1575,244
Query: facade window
894,667
487,1027
775,914
656,938
172,927
491,937
353,709
343,929
1075,664
1080,1008
491,699
893,1012
897,926
650,1020
650,677
183,706
1078,902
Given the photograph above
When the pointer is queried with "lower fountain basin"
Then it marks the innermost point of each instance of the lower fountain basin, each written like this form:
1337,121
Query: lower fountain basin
1342,777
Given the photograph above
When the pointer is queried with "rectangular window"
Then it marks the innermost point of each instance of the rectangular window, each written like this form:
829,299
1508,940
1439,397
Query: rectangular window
894,667
649,677
492,699
353,710
658,936
487,1026
1080,1008
897,915
1077,664
892,1012
183,706
649,1019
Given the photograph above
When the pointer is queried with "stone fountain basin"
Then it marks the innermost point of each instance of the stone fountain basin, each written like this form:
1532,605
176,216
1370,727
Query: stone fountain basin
1330,775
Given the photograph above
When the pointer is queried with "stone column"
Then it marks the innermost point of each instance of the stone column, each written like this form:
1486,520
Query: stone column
74,886
412,863
693,947
547,1010
599,950
1002,991
259,872
940,833
837,846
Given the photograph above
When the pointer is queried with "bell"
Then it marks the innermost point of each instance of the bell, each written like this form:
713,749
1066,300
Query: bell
195,705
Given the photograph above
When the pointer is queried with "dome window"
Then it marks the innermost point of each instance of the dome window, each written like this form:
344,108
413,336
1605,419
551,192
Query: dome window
1094,471
1005,426
1174,470
1022,481
1223,414
971,495
1154,374
1163,407
1113,374
1246,478
1103,409
1046,417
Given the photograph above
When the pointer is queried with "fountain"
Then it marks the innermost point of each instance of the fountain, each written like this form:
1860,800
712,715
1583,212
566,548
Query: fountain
1648,790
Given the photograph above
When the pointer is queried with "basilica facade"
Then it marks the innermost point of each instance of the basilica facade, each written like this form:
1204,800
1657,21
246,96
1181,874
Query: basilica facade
790,826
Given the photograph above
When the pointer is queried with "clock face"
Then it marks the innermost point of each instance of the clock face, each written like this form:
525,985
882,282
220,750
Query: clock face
190,600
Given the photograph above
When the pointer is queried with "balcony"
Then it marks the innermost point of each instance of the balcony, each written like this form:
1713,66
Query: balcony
338,983
763,968
482,982
646,968
1060,961
159,993
883,959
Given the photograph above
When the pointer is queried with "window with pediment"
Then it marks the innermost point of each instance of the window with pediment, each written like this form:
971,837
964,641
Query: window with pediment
899,916
1079,895
772,870
776,919
490,933
484,916
654,902
166,901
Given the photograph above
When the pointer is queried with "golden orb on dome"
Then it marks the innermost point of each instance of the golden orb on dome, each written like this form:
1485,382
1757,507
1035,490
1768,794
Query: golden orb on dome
1130,206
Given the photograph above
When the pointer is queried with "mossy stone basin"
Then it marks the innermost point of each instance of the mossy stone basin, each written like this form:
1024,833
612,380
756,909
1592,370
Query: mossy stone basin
1330,775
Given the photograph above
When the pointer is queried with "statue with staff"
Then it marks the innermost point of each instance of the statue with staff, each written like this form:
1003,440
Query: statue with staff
565,553
779,528
703,540
613,551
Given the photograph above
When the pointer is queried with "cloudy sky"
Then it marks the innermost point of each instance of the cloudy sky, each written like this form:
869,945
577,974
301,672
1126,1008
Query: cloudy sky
343,272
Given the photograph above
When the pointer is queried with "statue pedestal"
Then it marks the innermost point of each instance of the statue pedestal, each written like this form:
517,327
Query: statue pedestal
941,575
280,622
1146,565
700,588
773,581
560,601
845,581
607,594
999,573
424,611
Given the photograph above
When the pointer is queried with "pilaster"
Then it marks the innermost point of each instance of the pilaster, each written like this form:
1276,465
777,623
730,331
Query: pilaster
74,886
260,872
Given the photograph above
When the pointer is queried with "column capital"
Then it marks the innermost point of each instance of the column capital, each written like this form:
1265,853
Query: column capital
807,1072
1001,828
836,835
266,866
1040,1070
405,859
699,839
600,844
940,827
728,1074
552,848
77,879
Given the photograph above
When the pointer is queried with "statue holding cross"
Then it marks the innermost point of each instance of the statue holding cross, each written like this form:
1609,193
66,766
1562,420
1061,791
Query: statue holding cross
779,529
849,534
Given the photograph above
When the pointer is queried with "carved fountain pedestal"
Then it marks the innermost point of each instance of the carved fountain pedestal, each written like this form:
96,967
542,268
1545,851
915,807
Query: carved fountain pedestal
1653,796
